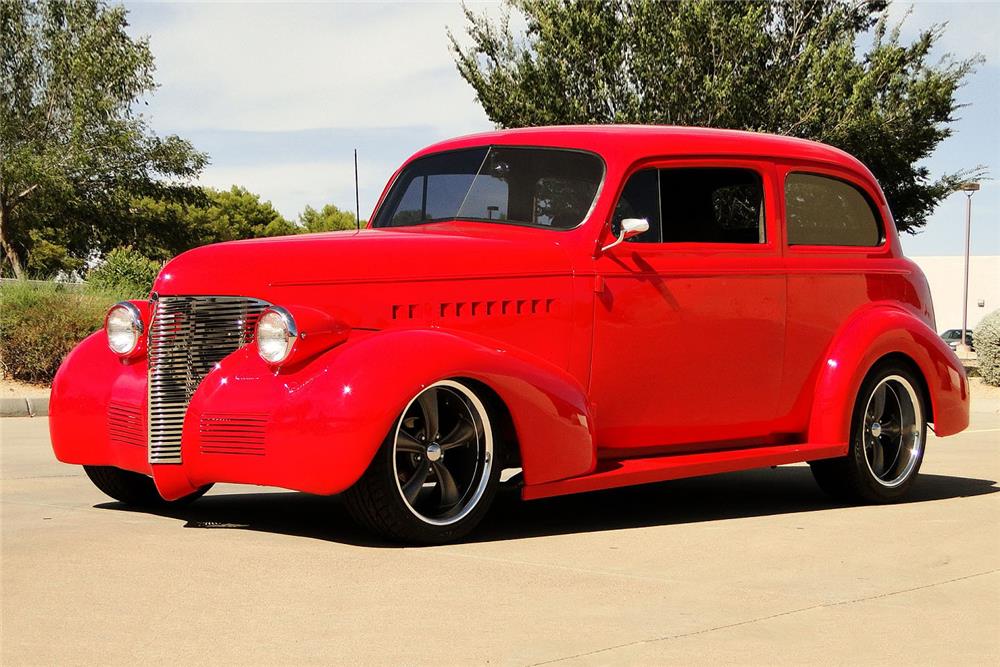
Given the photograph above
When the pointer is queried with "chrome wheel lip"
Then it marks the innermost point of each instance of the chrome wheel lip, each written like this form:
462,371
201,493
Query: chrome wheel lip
915,450
486,453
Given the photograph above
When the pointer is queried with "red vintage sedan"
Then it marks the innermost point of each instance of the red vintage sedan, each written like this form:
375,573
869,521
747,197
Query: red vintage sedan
597,306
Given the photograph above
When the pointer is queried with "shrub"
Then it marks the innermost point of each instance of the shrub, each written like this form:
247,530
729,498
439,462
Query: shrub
125,271
986,340
40,324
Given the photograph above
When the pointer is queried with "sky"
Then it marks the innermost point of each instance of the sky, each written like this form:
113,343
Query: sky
280,94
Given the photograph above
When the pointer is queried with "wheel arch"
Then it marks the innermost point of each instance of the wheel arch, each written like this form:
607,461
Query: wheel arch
876,333
539,407
503,422
541,410
911,364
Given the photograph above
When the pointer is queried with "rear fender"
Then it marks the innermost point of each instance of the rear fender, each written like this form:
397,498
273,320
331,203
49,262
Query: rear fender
877,331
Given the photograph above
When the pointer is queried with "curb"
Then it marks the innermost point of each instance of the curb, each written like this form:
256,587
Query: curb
24,407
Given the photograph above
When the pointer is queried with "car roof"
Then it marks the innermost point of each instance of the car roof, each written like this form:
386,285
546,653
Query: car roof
637,141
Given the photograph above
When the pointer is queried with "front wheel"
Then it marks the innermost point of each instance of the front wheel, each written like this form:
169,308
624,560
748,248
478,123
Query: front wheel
132,488
888,433
436,473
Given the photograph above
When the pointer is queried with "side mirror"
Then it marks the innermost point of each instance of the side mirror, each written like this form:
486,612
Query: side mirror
630,227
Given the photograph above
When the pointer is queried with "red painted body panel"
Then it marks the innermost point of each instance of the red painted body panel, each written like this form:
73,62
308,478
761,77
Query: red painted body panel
619,367
626,472
879,330
90,381
323,423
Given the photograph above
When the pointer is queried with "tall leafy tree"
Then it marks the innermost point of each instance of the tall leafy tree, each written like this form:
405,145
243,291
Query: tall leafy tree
791,67
160,229
327,219
72,146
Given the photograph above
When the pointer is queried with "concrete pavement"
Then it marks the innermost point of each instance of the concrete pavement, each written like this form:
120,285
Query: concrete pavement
754,567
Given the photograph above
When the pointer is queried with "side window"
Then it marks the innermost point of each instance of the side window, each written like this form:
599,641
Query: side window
712,205
821,210
486,198
409,208
561,202
431,197
640,199
695,205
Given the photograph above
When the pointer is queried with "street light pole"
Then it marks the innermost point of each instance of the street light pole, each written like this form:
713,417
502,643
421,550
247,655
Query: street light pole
969,189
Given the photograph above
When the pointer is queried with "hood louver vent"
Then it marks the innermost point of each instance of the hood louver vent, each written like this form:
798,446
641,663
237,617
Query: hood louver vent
475,309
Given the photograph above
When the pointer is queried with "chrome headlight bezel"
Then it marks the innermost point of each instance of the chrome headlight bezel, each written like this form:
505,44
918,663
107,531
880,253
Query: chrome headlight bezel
275,335
123,328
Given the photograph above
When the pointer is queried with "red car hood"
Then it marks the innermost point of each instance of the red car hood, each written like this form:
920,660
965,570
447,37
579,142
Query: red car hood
457,250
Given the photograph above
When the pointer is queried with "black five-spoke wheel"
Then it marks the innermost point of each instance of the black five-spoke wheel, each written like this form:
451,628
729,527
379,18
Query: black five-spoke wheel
437,471
887,439
443,453
892,431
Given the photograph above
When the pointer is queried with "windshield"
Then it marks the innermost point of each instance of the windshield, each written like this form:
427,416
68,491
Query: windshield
539,187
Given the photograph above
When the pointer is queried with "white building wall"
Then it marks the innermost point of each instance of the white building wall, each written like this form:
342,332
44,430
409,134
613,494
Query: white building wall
944,274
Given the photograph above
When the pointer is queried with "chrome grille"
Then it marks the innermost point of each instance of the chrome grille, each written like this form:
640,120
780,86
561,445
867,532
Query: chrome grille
188,336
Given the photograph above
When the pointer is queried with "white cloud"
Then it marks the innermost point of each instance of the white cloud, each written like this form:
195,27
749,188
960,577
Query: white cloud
279,67
970,30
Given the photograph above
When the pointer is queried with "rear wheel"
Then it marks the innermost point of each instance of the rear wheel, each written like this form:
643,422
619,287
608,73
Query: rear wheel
888,433
436,474
132,488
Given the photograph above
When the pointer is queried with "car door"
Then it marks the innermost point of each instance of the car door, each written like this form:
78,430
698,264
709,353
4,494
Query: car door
689,318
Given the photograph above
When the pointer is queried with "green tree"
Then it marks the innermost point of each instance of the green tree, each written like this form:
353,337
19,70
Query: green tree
160,229
238,213
73,150
327,219
126,272
789,67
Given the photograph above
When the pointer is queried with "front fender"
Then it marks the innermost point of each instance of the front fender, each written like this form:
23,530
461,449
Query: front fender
323,422
97,408
549,407
875,332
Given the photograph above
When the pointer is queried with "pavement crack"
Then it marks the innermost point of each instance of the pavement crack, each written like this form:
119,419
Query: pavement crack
790,612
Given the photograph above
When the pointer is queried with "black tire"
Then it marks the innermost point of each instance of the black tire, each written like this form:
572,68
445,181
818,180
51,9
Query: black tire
379,503
862,476
134,489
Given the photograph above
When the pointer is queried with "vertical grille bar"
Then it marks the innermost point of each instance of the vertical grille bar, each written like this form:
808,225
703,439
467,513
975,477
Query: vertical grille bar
188,336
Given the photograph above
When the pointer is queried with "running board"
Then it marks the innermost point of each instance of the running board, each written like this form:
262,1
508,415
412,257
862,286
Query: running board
627,472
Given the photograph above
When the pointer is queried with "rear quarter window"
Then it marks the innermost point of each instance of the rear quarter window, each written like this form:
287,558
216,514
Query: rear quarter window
822,210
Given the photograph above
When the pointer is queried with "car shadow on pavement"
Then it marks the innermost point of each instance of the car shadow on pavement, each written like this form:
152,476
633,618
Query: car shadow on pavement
755,493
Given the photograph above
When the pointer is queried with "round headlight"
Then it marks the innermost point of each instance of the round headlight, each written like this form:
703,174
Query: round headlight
276,334
124,328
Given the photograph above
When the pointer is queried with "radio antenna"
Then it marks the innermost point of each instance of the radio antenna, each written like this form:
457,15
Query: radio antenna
357,197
